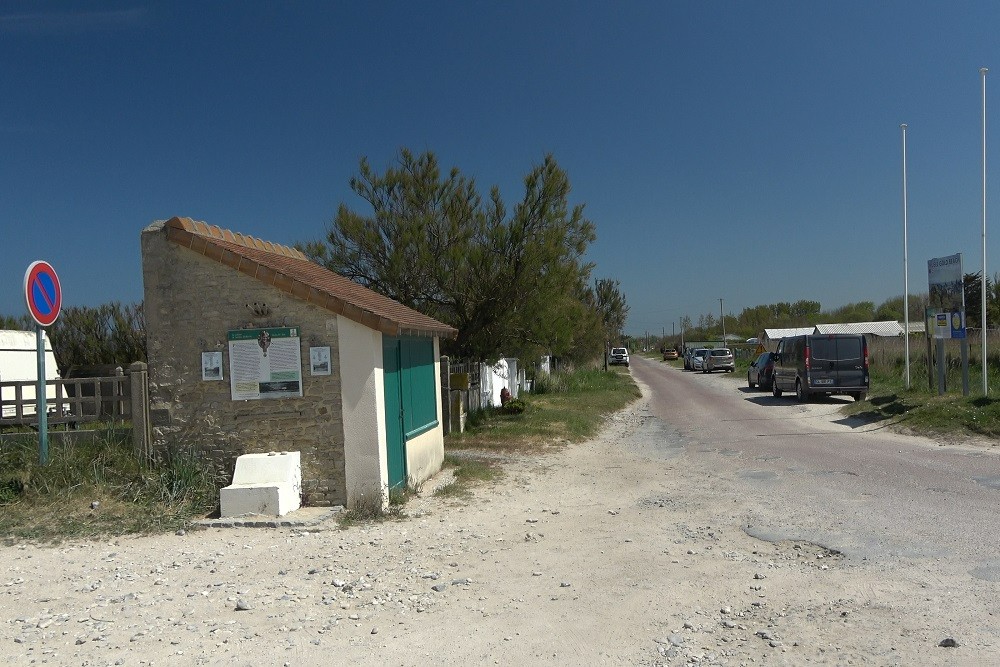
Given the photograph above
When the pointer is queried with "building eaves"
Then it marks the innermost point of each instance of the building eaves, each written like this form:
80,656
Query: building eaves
290,271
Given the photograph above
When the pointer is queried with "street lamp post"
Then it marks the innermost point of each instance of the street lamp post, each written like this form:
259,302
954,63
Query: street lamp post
982,72
906,275
722,316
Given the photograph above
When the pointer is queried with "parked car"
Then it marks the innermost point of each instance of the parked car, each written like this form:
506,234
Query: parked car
670,355
698,358
719,359
687,358
619,356
822,364
761,371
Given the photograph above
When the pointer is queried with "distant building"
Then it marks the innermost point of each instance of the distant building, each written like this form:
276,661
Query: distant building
886,329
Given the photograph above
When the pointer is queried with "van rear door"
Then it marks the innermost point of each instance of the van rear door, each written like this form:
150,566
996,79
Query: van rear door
851,361
836,361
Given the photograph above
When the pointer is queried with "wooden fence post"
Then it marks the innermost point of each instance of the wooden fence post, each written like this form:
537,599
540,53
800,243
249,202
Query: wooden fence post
142,428
445,395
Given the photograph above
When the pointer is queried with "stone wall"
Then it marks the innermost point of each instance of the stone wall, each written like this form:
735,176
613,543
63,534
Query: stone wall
191,302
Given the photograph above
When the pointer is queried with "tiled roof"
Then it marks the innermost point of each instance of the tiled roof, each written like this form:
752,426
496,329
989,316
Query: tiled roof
288,270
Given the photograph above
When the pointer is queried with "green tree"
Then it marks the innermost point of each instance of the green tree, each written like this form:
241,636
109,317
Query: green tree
862,311
972,284
112,333
432,243
108,334
612,307
21,323
892,309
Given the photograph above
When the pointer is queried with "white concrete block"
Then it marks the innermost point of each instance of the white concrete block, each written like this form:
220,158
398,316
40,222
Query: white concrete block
268,484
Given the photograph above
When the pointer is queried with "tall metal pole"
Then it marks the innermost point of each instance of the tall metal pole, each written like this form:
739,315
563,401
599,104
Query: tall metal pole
906,275
41,399
723,317
982,72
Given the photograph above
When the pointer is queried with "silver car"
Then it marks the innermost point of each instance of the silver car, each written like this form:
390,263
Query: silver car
619,356
719,359
698,359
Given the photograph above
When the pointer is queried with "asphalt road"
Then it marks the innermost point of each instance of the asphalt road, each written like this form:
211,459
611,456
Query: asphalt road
841,483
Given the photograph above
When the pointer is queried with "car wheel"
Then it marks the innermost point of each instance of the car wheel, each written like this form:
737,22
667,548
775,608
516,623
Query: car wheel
800,393
749,381
775,391
860,396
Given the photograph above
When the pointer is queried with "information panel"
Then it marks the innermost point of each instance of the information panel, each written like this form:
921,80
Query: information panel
946,297
265,363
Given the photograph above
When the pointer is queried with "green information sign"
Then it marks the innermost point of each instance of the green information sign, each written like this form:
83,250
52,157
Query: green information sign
265,363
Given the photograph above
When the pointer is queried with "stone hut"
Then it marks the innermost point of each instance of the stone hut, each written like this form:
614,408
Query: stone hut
254,348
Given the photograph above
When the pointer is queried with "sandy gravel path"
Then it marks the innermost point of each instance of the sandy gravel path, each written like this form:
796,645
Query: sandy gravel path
618,551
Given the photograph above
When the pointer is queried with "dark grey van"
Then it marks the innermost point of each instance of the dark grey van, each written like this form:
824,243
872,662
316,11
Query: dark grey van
822,364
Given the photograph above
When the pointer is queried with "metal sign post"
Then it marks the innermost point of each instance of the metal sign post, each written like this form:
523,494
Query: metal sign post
41,408
43,295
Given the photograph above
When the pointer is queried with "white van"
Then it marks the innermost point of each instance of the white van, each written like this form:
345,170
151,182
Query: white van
19,362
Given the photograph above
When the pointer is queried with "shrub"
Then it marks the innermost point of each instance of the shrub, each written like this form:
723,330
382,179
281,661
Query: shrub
513,407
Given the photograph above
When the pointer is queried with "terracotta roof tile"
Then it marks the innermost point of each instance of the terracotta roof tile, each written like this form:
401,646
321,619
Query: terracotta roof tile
291,271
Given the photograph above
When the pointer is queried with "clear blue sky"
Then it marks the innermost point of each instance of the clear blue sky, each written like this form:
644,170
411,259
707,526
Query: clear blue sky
748,151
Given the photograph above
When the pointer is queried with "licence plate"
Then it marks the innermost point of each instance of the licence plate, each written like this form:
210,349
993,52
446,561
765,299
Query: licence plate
823,381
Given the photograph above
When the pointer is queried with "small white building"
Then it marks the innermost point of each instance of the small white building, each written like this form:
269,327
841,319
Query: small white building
254,348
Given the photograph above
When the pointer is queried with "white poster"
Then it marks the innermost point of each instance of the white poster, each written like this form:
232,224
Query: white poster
265,363
211,366
319,360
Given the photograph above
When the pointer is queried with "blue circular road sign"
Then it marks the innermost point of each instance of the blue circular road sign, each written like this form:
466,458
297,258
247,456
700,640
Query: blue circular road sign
42,292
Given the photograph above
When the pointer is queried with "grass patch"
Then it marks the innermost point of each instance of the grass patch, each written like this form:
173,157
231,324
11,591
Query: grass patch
468,472
97,489
564,407
920,410
369,508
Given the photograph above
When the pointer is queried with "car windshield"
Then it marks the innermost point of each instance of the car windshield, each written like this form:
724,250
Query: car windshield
619,350
720,353
700,353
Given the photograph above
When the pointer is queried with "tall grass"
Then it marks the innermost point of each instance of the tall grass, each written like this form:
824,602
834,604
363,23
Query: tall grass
888,365
97,488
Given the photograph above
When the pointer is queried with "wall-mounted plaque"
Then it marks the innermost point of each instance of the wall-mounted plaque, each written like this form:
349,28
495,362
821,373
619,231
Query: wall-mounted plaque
211,365
319,360
265,363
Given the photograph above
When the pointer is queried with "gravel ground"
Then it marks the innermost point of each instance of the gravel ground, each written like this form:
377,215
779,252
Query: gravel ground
618,551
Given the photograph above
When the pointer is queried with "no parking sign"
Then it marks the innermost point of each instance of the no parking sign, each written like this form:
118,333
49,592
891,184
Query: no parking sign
42,293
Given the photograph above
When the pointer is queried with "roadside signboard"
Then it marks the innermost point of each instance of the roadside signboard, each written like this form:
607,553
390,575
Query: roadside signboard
946,291
42,293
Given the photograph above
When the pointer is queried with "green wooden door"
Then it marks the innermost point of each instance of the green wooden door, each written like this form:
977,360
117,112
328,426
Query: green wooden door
392,382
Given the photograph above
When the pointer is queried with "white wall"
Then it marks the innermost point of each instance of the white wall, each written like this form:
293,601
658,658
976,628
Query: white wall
19,356
19,362
365,466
